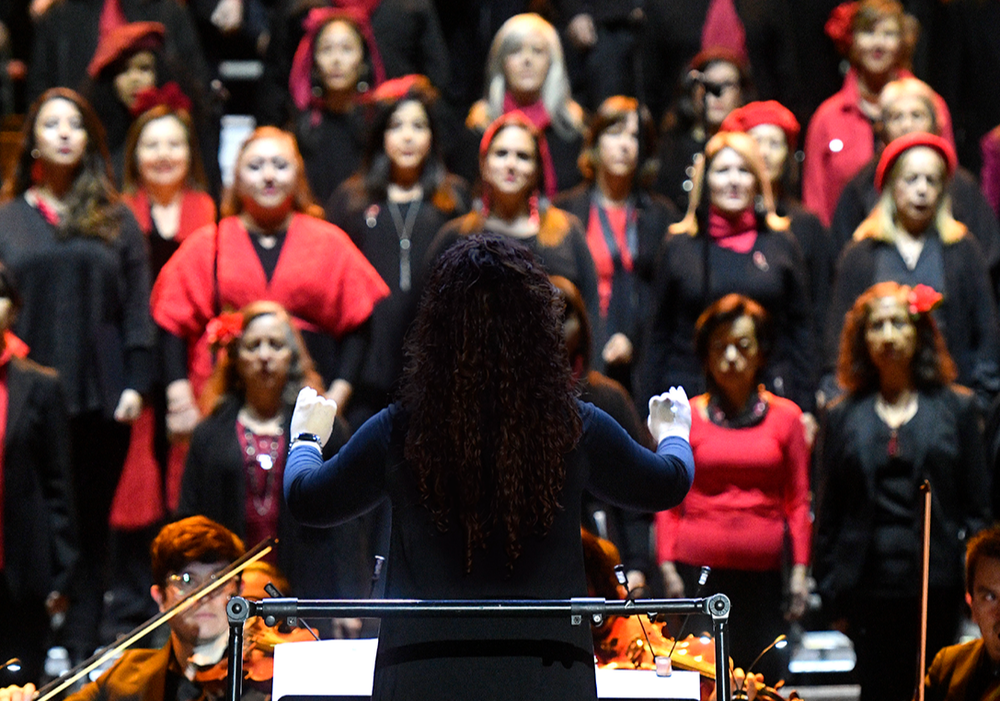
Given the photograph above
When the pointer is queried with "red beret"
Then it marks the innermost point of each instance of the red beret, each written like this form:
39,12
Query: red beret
754,114
904,143
123,41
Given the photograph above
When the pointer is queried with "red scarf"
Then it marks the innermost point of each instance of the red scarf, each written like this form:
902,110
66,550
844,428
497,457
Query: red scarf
540,118
14,348
737,234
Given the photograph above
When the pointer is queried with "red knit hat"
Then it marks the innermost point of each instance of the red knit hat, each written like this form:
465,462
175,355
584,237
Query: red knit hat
904,143
123,41
753,114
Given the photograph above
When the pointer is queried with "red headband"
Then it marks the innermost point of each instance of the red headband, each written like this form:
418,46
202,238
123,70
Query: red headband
904,143
300,77
754,114
519,119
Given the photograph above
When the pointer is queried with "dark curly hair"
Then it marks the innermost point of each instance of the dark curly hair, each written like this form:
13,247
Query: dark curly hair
931,366
225,380
490,395
92,199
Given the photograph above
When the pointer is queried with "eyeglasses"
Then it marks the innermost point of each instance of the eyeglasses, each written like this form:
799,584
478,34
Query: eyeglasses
185,582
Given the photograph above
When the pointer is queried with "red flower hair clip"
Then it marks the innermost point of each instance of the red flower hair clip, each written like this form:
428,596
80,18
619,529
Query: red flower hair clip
223,329
922,299
839,25
170,95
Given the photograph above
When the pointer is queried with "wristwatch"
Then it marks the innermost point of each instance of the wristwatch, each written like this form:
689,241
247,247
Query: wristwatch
310,438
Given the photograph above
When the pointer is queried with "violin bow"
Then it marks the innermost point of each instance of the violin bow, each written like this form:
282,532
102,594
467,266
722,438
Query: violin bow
925,489
222,577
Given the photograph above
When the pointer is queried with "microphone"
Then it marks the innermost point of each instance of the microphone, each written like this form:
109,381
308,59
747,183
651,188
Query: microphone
776,643
702,580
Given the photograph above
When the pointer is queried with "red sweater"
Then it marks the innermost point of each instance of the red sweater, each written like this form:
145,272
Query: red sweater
748,484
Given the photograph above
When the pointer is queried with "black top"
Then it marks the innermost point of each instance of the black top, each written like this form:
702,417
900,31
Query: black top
331,149
570,257
503,658
631,293
318,562
375,231
967,317
86,305
857,458
772,273
819,256
969,206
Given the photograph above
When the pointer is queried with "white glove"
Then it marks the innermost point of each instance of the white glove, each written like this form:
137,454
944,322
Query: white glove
129,406
670,415
313,413
182,411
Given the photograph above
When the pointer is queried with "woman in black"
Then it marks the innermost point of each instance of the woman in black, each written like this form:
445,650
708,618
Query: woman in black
334,65
731,240
900,423
80,260
237,455
485,459
625,224
392,210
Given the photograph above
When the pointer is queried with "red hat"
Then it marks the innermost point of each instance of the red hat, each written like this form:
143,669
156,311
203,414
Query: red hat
753,114
123,41
904,143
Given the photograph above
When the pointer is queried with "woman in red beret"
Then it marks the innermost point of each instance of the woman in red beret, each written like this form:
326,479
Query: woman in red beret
624,223
392,209
130,60
912,238
878,38
776,131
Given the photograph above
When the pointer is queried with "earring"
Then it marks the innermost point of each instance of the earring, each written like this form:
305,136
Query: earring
36,154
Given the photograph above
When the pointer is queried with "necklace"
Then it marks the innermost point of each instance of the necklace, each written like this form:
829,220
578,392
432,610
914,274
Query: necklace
262,451
403,231
896,415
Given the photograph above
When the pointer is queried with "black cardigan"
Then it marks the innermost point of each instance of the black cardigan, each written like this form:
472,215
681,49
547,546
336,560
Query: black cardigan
322,563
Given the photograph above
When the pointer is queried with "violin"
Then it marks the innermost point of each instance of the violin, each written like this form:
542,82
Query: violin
60,684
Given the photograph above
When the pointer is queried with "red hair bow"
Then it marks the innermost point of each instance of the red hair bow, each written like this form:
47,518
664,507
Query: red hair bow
223,329
923,298
839,25
170,95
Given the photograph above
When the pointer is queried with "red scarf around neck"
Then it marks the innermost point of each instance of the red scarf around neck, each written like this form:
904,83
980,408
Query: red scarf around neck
738,234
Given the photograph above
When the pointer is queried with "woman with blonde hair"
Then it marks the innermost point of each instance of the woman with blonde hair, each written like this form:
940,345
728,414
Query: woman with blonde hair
731,240
911,237
270,244
526,71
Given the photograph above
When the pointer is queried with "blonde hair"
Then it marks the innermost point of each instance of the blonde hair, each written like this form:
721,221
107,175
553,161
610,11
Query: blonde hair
567,115
881,224
744,145
910,87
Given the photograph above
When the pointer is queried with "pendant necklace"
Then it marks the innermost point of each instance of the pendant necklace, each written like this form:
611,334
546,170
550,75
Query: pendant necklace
403,231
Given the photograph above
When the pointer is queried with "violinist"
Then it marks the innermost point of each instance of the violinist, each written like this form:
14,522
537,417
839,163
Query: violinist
185,555
972,670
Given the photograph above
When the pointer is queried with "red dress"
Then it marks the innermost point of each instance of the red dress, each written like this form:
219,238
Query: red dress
138,500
